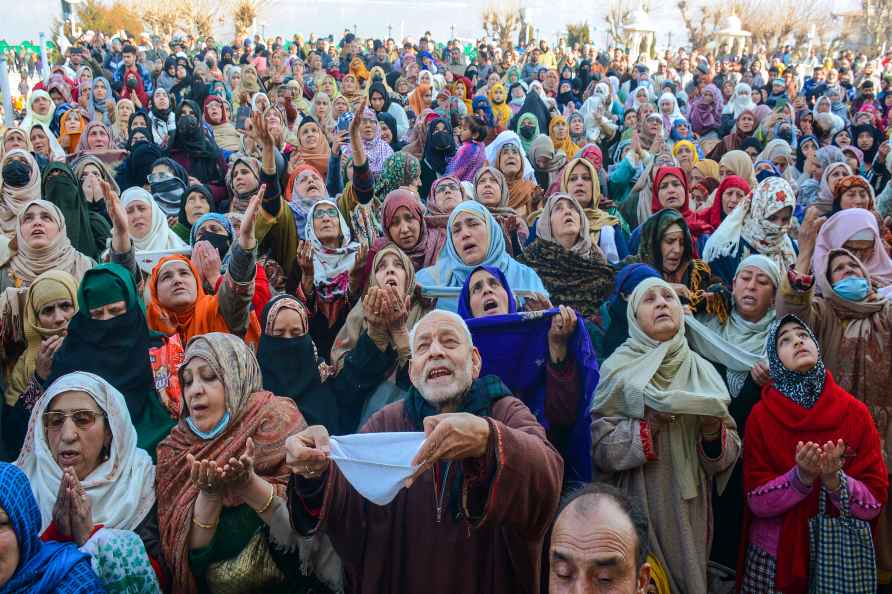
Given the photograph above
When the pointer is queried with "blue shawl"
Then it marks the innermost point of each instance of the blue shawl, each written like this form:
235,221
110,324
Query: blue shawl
44,567
445,278
523,368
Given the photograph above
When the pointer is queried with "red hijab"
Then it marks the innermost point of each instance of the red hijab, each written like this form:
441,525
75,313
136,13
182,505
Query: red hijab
696,226
716,213
773,429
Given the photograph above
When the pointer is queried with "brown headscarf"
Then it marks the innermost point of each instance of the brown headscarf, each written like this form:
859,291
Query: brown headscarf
504,214
267,419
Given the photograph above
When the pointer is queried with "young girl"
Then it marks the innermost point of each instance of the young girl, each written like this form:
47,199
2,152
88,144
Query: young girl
471,155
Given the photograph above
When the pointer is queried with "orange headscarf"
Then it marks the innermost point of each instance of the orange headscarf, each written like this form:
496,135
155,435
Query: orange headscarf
204,316
416,98
358,69
74,137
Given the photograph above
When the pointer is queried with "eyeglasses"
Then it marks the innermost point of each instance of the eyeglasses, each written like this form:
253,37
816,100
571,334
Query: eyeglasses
510,148
321,213
53,420
446,186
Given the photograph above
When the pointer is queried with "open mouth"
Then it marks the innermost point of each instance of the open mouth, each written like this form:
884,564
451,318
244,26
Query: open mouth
568,220
391,282
748,300
198,408
439,372
490,305
468,247
663,318
69,458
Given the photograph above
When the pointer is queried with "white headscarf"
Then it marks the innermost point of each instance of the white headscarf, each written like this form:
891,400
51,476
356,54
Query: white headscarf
160,236
57,153
749,220
737,344
331,266
122,488
741,101
667,377
509,137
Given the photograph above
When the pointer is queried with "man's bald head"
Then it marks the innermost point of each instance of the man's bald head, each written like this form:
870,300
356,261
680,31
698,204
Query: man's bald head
599,544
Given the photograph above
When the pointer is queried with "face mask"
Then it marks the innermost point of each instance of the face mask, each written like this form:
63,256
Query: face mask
517,101
852,288
16,173
220,242
441,140
188,125
167,192
527,132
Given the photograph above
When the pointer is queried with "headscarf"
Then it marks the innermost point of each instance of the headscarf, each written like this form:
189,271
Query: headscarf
741,101
57,153
524,142
51,286
331,266
566,144
74,138
669,378
716,212
597,218
159,236
583,245
355,324
194,188
27,263
266,419
13,200
430,240
122,488
84,160
201,317
846,225
846,184
416,98
740,163
737,344
315,156
708,168
705,117
438,159
495,147
450,271
376,149
87,231
675,114
826,196
501,111
502,211
436,215
400,169
803,388
44,567
629,277
750,222
32,117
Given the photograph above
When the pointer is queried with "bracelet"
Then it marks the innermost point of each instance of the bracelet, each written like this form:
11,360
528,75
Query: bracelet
712,436
205,526
269,502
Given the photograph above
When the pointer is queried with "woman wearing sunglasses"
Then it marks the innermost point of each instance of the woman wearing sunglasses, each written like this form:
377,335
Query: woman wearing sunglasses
93,486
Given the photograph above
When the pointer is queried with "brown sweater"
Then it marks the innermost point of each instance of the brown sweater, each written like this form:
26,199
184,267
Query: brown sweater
493,544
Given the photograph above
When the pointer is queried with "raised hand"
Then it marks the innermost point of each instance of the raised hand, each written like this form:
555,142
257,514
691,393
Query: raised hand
374,307
306,453
832,460
81,510
808,461
62,507
207,476
207,260
397,313
118,216
246,237
44,363
239,472
562,327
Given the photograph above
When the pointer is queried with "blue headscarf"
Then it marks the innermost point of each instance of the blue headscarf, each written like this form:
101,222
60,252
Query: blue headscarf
616,329
211,216
766,173
449,273
522,367
464,300
479,103
44,567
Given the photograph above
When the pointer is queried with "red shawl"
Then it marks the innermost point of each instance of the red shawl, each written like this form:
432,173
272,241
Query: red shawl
773,429
268,420
714,215
695,224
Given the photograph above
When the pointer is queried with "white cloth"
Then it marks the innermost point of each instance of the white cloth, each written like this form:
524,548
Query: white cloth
376,464
122,488
509,137
160,236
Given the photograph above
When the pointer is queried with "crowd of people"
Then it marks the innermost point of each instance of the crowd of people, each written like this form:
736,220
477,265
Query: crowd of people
318,315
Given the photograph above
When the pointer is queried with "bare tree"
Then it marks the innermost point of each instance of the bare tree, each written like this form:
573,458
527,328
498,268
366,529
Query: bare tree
619,12
501,22
877,21
245,13
197,17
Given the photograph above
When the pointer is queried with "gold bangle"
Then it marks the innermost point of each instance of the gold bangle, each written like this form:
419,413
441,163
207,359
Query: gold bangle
205,526
269,502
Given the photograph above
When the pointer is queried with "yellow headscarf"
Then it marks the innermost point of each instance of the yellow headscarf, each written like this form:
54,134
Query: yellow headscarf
566,144
708,168
688,144
500,111
52,285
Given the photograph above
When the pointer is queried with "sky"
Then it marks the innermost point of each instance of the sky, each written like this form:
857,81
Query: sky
406,17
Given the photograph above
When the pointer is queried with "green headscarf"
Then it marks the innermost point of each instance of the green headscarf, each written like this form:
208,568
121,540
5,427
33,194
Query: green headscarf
527,143
400,169
88,231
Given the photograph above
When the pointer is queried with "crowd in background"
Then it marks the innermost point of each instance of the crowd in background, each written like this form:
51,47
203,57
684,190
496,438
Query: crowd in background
662,283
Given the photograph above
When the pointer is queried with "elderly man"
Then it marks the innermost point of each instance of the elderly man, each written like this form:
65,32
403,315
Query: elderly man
474,514
599,544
